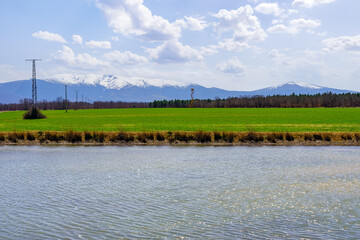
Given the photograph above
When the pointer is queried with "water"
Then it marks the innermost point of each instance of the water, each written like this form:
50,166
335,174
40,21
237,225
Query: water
179,192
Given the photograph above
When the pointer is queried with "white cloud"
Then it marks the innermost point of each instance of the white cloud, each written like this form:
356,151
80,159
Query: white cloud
115,38
274,54
295,26
305,23
191,23
245,25
233,65
124,57
269,8
232,45
77,39
68,57
281,28
343,43
51,37
310,3
98,44
174,52
133,18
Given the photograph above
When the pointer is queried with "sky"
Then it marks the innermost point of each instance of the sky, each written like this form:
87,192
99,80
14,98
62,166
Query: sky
230,44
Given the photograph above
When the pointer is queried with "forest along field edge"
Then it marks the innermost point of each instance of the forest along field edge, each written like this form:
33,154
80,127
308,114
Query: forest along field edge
304,126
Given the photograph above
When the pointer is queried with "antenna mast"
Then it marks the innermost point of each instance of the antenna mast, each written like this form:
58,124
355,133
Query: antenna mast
34,88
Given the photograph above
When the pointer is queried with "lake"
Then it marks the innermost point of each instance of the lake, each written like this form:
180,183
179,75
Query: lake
179,192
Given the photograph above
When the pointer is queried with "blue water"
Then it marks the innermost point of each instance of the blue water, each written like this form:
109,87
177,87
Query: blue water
179,192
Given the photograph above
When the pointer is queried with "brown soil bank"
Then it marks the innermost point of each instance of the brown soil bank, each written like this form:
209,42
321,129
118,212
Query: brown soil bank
178,138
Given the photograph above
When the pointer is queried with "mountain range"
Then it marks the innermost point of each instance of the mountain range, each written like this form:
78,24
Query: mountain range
111,88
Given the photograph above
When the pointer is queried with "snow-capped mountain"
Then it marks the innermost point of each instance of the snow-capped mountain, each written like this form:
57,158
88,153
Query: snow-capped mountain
112,88
112,81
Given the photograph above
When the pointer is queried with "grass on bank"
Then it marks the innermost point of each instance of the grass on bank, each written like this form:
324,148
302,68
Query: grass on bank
182,119
174,137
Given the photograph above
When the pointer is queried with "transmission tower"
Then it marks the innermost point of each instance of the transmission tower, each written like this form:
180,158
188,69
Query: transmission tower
34,89
192,97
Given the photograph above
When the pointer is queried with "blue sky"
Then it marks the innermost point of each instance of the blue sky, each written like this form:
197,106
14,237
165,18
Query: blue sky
231,44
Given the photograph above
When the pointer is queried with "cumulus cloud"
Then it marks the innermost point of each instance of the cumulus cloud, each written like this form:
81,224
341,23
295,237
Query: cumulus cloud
124,57
98,44
67,56
343,43
310,3
232,45
77,39
191,23
174,52
305,23
274,54
242,22
233,65
295,26
51,37
269,8
133,18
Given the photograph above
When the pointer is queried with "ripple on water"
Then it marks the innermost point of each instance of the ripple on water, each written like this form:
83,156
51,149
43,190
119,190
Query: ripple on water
185,192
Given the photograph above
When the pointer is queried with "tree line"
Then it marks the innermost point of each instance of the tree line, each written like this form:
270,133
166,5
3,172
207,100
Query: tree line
61,104
329,100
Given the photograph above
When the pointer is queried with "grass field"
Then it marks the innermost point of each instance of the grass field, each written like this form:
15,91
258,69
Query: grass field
180,119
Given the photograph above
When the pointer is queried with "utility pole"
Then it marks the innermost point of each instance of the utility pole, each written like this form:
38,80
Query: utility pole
77,98
66,104
34,88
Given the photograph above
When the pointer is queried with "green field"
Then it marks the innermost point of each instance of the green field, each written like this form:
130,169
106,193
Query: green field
182,119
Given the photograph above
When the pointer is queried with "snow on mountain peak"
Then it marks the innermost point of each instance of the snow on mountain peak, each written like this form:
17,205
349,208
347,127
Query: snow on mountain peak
300,84
112,81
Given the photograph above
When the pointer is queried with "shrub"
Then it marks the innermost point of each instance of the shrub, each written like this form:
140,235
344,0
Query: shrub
99,137
327,137
279,136
357,136
30,136
217,136
183,136
2,137
159,136
253,137
317,137
308,137
87,136
121,136
141,137
271,137
34,113
12,137
52,136
346,137
73,137
203,137
289,137
228,137
130,137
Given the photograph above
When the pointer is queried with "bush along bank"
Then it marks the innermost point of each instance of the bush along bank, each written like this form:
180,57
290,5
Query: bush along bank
178,138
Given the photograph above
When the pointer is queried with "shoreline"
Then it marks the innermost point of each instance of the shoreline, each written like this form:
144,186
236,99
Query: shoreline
178,138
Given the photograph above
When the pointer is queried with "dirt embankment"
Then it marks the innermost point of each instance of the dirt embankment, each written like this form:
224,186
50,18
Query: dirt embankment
179,138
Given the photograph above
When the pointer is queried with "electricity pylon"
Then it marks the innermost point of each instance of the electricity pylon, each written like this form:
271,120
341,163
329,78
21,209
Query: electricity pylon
34,88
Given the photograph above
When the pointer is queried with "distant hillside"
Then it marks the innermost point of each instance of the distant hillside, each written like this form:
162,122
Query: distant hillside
110,88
